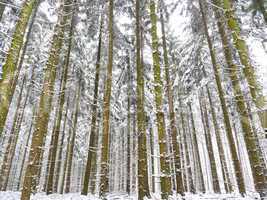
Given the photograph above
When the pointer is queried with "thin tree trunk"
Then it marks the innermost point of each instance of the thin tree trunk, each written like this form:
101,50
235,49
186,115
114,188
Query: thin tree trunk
188,170
26,147
206,125
16,129
227,184
196,147
94,159
92,140
50,152
129,130
11,144
61,146
67,156
175,144
56,133
72,142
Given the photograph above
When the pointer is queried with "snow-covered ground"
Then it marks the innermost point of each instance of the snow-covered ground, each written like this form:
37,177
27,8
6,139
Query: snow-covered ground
120,196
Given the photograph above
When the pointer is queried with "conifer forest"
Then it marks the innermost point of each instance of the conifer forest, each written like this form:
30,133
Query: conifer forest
133,99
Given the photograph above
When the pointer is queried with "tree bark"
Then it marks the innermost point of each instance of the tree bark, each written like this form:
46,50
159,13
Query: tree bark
251,140
56,132
228,186
72,142
174,135
92,140
45,104
9,75
164,159
226,117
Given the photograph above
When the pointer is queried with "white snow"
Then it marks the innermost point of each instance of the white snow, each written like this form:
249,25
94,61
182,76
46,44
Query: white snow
121,196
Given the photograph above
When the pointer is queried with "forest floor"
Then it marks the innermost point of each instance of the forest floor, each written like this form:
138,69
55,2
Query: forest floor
120,196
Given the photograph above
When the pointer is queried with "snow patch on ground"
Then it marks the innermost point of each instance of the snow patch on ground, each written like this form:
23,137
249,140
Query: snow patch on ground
42,196
120,196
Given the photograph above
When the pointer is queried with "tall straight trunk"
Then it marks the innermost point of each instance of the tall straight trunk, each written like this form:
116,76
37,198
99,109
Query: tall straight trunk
7,160
54,147
9,77
187,167
193,162
164,164
143,187
94,159
15,130
72,142
206,125
122,160
228,186
226,117
152,158
182,159
67,156
61,147
242,50
45,104
196,148
26,151
50,149
129,129
251,140
106,109
175,144
29,90
92,140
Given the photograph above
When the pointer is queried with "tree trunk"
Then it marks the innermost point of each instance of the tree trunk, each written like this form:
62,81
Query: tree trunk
93,141
143,187
129,129
206,125
56,133
106,110
226,117
25,151
72,142
94,159
164,159
61,147
196,148
253,147
44,108
9,77
175,144
67,156
242,49
11,144
188,171
228,186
